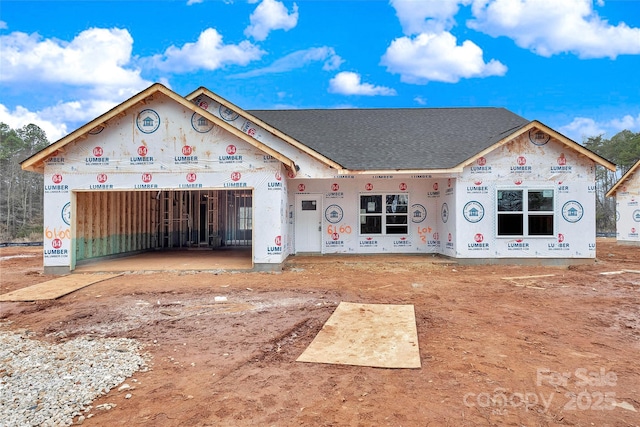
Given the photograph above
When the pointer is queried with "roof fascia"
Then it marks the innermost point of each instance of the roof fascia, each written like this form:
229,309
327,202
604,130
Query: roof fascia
624,178
35,163
539,125
400,171
294,142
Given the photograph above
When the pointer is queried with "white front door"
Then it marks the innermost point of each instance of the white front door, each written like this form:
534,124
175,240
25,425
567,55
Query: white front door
308,223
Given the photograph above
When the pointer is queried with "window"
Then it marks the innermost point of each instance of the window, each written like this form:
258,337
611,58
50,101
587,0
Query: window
384,214
244,218
308,205
525,212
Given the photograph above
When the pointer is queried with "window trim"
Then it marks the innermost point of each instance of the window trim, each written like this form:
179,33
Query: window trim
384,215
526,213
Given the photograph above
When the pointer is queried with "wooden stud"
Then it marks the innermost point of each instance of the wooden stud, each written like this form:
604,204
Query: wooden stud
104,223
89,228
78,220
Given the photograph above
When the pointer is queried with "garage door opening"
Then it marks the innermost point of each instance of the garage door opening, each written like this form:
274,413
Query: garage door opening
109,224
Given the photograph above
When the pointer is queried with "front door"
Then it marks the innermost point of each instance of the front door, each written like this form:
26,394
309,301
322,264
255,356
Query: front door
308,223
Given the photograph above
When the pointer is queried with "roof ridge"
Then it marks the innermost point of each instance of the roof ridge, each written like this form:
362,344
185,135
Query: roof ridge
380,109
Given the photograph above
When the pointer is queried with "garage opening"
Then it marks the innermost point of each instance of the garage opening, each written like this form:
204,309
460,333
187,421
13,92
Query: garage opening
121,222
210,219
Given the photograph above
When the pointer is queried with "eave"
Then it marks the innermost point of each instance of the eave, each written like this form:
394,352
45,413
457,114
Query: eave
627,176
538,125
293,142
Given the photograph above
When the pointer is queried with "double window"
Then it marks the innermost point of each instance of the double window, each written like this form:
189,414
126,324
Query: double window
384,214
525,212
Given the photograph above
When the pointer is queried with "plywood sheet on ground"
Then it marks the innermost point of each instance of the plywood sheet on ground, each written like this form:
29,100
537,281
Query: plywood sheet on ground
56,288
377,335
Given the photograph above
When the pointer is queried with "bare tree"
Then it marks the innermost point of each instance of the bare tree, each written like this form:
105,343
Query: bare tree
623,149
20,192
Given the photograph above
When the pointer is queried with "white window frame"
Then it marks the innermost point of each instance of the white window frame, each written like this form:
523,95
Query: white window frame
526,213
384,214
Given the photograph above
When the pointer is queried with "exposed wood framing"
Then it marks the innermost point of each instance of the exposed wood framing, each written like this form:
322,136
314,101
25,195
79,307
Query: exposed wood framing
114,222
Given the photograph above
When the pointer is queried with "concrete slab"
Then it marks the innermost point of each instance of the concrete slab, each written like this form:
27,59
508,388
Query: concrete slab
196,260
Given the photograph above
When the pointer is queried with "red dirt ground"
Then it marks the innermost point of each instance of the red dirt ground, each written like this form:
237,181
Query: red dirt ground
559,350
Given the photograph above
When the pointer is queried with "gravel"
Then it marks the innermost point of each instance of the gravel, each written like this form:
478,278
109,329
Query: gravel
43,384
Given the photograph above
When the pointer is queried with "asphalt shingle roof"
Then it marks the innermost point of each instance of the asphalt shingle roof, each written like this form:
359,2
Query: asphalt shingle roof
390,139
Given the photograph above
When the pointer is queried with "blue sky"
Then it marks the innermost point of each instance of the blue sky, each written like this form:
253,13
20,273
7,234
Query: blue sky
572,64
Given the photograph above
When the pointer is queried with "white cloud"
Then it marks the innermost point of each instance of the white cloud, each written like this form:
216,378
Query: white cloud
208,52
349,83
268,16
97,56
3,25
192,2
420,100
419,16
582,128
298,59
58,120
549,27
437,57
20,117
95,67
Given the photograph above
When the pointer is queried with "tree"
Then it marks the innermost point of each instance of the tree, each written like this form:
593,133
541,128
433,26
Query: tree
21,192
623,149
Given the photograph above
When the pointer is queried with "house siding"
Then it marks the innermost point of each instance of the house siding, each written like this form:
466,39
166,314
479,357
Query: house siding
521,164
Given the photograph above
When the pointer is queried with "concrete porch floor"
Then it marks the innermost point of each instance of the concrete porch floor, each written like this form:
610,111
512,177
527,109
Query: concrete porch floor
219,259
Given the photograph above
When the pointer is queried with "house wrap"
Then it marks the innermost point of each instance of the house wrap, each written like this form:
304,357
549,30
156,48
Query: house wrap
627,194
162,171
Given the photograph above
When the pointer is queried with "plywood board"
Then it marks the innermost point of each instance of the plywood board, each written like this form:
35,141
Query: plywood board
377,335
56,288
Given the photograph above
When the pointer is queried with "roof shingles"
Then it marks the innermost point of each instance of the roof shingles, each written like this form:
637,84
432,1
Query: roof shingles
396,139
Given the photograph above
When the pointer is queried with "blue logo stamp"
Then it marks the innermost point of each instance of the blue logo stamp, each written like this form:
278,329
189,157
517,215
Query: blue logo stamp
418,213
148,121
537,137
473,211
201,124
444,212
66,213
333,214
227,114
572,211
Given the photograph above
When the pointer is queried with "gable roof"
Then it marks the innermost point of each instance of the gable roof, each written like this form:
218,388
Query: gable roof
396,139
356,140
408,139
627,176
277,132
535,124
35,163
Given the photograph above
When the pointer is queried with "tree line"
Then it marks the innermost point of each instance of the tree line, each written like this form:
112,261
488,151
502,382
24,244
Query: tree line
623,149
21,194
21,207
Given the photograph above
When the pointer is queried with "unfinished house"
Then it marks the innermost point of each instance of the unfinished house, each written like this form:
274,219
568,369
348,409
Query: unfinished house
162,172
627,194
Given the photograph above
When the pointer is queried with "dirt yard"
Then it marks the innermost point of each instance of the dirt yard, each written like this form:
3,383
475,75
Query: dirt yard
497,347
